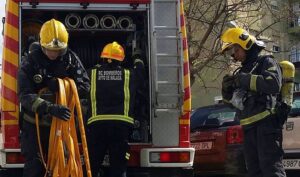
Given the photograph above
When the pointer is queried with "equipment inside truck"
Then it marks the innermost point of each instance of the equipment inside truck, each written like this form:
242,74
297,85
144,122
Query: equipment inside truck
89,32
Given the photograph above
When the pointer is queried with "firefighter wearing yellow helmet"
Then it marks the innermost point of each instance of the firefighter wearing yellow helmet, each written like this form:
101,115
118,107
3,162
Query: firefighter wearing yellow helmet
46,61
112,100
254,90
113,51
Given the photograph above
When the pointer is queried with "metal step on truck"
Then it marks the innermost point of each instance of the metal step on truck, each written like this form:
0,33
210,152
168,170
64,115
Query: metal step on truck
160,141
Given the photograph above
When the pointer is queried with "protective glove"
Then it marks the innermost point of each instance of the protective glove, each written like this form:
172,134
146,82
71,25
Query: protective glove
137,54
59,111
242,80
227,95
52,84
228,83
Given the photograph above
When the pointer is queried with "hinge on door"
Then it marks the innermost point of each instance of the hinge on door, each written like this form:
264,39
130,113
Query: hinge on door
84,5
134,5
34,3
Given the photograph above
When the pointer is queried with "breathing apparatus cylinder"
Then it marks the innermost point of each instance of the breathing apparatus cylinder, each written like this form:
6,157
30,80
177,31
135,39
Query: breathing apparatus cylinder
288,74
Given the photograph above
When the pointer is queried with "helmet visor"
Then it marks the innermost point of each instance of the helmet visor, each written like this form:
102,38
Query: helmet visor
53,54
230,50
55,44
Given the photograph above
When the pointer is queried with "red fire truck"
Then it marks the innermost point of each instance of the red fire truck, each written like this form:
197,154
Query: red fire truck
160,141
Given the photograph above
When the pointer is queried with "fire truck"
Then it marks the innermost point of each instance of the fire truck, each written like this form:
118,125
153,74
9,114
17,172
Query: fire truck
160,140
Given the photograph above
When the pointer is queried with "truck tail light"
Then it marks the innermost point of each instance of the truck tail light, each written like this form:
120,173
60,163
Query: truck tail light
234,135
14,158
170,157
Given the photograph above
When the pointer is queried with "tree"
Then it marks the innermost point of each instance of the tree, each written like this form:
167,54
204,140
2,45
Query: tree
207,19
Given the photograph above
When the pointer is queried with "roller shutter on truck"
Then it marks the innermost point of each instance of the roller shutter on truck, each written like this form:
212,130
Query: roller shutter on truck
161,135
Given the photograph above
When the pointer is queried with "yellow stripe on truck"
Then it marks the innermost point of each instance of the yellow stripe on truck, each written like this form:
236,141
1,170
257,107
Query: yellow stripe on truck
184,122
9,122
13,57
10,82
12,32
13,8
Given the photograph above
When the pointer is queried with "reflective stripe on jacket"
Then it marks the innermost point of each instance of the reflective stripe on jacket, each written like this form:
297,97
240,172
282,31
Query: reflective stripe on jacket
112,94
262,86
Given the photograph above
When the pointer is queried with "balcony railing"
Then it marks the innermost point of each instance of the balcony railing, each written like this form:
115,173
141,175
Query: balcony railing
294,57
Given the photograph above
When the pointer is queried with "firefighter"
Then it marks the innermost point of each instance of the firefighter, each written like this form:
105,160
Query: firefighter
253,90
47,61
112,98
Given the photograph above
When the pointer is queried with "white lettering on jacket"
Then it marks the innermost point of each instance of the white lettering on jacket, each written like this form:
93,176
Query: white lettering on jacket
109,75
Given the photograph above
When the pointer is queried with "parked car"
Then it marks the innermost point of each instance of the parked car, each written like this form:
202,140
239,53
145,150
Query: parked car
291,139
217,138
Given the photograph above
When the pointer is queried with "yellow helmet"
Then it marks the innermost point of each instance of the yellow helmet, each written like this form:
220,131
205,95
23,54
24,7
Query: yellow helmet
53,35
237,36
113,51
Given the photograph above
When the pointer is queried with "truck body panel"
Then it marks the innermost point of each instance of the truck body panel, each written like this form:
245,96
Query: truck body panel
89,1
157,27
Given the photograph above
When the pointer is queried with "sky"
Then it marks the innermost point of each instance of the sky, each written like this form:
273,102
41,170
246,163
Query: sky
2,14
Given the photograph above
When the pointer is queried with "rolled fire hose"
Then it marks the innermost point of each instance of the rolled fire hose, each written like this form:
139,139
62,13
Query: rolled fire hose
63,154
108,22
125,22
73,21
90,21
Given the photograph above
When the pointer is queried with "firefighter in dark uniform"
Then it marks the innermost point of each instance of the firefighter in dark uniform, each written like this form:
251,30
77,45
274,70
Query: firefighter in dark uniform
112,98
45,62
254,90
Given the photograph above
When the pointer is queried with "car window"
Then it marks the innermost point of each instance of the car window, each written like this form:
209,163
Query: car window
223,113
295,111
199,116
296,103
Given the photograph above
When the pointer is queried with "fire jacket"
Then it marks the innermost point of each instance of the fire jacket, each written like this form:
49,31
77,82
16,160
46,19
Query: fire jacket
113,90
262,79
36,69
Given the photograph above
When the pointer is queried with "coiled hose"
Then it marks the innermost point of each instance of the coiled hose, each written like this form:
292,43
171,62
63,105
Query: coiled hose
63,152
108,22
90,21
73,21
125,22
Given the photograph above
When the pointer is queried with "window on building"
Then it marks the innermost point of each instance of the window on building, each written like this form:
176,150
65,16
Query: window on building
297,87
274,5
276,48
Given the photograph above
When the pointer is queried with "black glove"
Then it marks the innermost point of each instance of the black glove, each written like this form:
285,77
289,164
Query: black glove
228,83
227,95
137,54
56,110
242,80
52,84
59,111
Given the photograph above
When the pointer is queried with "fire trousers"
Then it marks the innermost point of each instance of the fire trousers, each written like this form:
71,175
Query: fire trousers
33,166
111,137
263,148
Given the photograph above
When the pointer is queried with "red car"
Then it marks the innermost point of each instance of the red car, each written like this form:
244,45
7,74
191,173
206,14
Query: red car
217,138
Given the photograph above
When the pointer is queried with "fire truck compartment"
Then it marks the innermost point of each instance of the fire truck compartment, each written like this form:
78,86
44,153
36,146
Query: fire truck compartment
89,31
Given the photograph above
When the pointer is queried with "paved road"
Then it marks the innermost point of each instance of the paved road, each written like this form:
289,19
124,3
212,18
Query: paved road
289,174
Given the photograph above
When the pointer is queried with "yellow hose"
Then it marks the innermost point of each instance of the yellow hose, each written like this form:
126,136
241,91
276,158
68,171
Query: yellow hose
63,152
